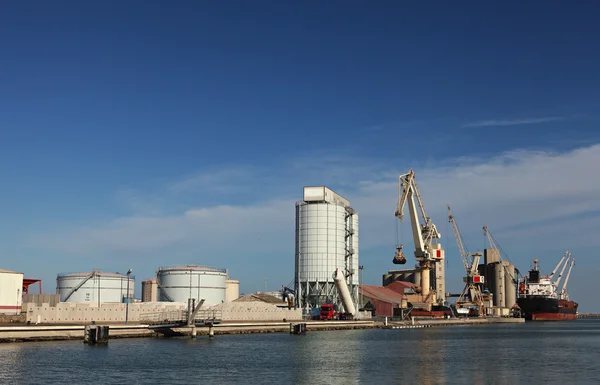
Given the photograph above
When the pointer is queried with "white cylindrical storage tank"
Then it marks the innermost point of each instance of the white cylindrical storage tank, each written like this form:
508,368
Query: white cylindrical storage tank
232,291
326,240
510,286
11,292
94,286
180,283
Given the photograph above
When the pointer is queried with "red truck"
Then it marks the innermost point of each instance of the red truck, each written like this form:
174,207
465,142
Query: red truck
327,312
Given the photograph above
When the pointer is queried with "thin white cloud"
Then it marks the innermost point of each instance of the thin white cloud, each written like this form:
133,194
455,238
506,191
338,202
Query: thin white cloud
513,189
216,179
515,122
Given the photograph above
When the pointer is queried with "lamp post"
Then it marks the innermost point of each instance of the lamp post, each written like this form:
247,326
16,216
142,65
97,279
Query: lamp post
128,297
360,272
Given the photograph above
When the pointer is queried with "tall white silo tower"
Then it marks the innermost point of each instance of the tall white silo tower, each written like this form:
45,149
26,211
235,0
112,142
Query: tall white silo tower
326,240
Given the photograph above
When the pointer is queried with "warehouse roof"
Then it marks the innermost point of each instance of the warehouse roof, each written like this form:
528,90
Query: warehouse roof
260,297
9,271
381,293
401,286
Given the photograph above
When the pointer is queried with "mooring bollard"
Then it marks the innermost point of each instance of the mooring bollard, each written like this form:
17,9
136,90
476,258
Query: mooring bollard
299,328
95,335
194,332
412,319
211,331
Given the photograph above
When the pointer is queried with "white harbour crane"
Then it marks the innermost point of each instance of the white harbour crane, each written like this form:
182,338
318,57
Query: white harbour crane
473,281
428,251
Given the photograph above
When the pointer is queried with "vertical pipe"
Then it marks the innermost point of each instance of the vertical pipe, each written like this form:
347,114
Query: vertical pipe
499,294
127,302
98,282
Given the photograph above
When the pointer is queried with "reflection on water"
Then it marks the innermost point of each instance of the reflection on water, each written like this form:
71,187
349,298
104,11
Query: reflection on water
430,348
536,353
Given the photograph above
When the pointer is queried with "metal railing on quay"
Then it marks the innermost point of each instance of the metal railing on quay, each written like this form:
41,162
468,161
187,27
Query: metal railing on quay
180,316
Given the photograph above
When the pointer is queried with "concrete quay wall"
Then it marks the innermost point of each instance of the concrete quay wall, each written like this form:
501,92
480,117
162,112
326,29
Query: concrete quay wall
86,312
64,332
76,332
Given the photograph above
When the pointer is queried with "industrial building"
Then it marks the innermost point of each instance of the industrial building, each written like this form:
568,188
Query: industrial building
500,278
180,283
406,275
150,290
11,292
388,301
95,286
326,241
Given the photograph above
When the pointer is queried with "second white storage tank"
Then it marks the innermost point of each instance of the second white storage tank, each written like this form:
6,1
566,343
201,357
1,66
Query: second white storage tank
180,283
94,286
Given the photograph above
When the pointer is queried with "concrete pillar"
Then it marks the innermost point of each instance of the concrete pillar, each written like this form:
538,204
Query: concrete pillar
425,279
211,331
194,332
385,321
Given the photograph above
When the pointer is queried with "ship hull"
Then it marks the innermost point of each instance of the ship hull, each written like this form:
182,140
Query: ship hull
547,309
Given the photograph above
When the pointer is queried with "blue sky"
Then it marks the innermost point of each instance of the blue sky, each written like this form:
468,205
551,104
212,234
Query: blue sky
143,134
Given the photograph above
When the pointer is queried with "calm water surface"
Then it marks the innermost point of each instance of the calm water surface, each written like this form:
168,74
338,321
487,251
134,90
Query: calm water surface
534,353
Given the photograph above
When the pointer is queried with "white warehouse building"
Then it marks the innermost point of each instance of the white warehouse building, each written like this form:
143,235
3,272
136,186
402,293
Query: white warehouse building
326,241
11,292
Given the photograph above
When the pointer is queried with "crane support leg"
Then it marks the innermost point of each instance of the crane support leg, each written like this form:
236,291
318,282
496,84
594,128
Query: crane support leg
425,285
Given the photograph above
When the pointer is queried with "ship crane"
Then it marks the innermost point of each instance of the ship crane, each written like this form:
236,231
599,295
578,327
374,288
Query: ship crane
473,281
563,292
564,258
427,250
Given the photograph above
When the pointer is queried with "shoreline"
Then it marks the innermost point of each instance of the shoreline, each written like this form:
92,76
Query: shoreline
36,333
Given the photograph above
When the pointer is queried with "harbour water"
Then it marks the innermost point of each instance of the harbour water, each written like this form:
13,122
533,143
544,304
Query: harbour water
532,353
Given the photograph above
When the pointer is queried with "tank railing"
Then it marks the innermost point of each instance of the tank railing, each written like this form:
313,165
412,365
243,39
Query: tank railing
97,272
192,268
208,314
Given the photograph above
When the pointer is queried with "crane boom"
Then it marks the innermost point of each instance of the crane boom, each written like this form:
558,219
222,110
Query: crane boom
424,234
559,264
563,292
459,241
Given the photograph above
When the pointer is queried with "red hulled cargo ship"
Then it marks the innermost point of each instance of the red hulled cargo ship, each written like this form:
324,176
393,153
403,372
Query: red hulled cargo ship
540,299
